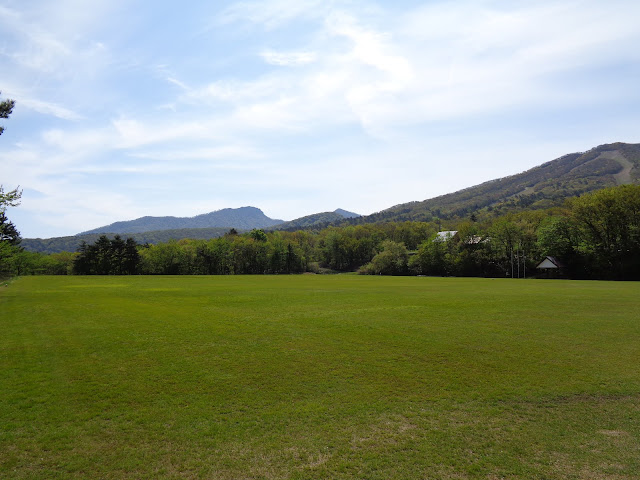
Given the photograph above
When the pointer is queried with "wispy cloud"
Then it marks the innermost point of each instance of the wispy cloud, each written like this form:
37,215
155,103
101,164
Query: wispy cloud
273,13
48,108
288,59
283,100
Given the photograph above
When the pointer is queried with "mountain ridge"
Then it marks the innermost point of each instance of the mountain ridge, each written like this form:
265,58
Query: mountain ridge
546,185
72,242
310,221
245,218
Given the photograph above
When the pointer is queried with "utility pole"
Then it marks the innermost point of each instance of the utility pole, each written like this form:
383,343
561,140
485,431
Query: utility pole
511,263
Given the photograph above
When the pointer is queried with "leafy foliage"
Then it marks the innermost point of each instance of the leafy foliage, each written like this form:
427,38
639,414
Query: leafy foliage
9,244
392,260
71,243
609,224
253,253
595,236
9,199
6,108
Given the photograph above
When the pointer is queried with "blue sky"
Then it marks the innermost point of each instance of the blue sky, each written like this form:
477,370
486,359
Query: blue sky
133,108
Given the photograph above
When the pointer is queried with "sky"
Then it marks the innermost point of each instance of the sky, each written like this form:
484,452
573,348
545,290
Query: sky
127,108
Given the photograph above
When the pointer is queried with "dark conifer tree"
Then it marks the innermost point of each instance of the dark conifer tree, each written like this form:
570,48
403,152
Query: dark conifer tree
8,231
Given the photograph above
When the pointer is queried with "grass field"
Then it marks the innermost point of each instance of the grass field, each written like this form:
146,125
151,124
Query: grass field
319,377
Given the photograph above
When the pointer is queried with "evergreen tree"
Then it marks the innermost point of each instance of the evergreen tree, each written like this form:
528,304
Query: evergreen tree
107,257
6,107
8,231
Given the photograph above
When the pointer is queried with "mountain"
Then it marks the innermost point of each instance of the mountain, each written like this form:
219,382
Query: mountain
317,219
346,214
547,185
71,244
244,218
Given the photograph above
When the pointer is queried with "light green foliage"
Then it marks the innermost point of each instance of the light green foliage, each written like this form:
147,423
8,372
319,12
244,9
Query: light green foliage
162,259
71,244
435,257
317,376
9,199
609,221
597,236
258,235
231,254
21,262
392,260
558,237
9,235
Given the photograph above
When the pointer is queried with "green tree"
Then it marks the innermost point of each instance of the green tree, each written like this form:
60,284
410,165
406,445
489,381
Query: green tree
131,257
472,254
277,254
506,244
6,108
9,244
392,260
250,256
9,199
346,248
220,251
107,257
8,231
560,237
434,257
33,263
162,259
609,222
9,236
258,235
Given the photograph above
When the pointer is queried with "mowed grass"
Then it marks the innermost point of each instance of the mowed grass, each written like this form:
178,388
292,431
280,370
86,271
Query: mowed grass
319,377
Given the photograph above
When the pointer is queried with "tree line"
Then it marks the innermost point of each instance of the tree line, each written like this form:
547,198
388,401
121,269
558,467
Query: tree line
596,236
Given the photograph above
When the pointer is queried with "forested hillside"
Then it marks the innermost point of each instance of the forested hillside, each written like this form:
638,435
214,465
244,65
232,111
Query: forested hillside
245,218
594,236
316,219
71,244
547,185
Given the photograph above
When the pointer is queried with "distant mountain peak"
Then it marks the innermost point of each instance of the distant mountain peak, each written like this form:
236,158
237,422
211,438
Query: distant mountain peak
346,214
243,218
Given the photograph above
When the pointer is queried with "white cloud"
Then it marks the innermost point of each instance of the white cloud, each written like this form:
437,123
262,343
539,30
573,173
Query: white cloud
134,133
366,94
274,13
288,59
48,108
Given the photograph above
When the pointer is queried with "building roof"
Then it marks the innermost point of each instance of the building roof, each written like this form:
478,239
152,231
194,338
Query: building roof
446,235
550,262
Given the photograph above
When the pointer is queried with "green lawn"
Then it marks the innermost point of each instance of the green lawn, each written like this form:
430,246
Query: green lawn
319,377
